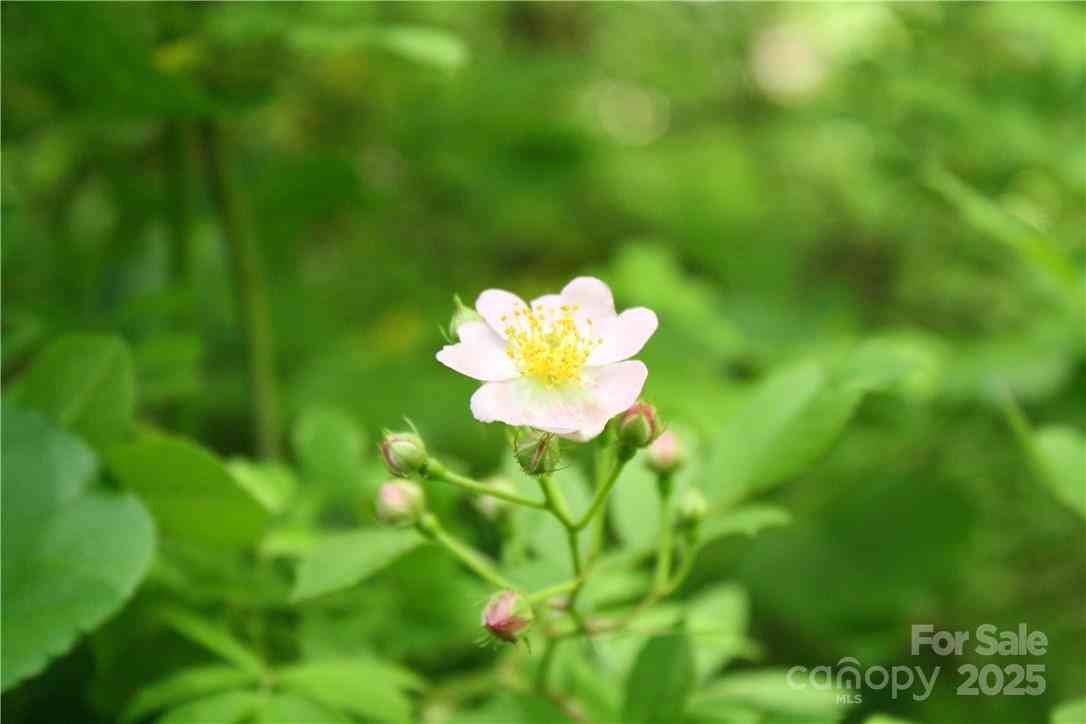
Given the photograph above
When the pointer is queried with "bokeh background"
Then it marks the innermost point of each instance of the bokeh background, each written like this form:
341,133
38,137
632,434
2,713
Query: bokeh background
779,182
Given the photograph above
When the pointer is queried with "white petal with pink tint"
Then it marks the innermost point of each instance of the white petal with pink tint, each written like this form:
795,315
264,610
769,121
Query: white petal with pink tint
624,336
592,295
525,402
480,354
494,304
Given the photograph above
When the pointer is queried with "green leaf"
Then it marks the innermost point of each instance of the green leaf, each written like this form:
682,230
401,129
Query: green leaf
767,690
328,445
281,708
184,685
346,559
190,492
660,681
272,484
363,686
428,46
214,638
748,520
508,706
716,623
70,560
792,418
1069,712
1057,455
883,719
225,708
84,383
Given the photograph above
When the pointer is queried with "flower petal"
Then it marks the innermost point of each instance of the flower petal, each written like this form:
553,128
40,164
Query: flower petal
526,402
480,354
593,295
624,336
611,390
494,304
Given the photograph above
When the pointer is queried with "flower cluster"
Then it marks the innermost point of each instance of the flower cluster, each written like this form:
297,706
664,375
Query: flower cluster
556,368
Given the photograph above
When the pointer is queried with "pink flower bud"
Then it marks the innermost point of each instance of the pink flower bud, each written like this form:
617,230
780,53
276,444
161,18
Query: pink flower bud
507,615
639,425
666,454
400,502
404,453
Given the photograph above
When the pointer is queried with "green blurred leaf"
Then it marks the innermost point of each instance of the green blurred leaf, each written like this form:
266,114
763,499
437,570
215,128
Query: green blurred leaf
184,685
85,383
226,708
283,708
346,559
767,690
70,560
214,638
508,706
191,493
883,719
328,445
428,46
748,520
1057,454
791,419
716,623
1069,712
168,367
660,681
272,484
363,686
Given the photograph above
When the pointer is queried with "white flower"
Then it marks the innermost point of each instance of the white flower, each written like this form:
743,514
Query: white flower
560,364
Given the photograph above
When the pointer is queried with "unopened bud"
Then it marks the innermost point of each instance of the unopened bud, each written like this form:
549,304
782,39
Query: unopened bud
493,508
404,453
638,426
461,313
400,502
692,508
536,451
666,454
507,615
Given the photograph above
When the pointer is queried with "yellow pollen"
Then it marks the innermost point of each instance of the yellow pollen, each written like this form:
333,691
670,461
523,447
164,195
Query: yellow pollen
547,346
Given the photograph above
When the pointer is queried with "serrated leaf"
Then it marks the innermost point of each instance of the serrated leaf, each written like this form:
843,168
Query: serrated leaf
345,559
226,708
363,686
190,492
660,681
70,560
83,383
184,685
214,638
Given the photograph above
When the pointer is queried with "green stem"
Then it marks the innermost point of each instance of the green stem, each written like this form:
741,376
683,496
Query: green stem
550,648
663,557
623,456
436,471
545,593
431,527
250,290
555,503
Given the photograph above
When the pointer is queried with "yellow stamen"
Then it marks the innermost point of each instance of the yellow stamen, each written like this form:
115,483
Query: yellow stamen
547,346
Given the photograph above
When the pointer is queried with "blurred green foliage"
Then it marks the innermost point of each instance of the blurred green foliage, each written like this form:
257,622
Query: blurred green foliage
863,228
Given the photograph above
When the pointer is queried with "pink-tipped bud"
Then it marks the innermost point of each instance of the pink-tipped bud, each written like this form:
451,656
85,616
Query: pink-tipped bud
536,451
461,313
507,615
400,502
639,425
404,453
666,454
493,508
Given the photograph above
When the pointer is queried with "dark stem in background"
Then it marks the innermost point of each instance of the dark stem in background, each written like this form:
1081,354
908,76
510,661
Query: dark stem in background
252,299
175,142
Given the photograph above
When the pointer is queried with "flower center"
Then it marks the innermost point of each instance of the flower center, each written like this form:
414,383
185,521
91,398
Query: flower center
546,344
